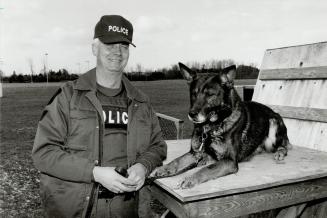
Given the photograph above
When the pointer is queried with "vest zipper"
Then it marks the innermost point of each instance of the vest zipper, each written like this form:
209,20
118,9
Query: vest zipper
100,157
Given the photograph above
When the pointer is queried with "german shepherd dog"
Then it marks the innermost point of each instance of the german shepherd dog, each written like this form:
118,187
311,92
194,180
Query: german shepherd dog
226,129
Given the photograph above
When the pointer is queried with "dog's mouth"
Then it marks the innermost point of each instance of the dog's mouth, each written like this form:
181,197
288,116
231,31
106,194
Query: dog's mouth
199,118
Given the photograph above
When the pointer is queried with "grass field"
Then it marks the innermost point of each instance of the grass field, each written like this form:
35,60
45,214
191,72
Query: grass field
21,107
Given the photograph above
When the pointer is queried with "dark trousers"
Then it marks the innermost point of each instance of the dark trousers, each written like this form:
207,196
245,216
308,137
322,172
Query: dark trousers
117,206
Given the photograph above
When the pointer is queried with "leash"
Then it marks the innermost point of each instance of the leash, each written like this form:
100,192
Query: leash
204,136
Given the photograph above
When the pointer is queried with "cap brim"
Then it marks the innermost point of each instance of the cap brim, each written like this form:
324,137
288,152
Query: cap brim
111,40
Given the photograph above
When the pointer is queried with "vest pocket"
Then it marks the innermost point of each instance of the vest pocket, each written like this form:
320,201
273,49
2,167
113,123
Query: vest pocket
81,130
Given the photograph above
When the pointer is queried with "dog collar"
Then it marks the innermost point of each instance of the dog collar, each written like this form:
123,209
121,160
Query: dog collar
228,84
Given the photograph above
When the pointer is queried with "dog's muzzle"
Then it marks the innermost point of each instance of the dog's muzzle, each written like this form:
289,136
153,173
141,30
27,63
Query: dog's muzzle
196,117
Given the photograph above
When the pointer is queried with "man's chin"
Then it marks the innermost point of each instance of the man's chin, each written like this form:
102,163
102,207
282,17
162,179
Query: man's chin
115,68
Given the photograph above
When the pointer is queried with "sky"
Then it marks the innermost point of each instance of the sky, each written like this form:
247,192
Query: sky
165,32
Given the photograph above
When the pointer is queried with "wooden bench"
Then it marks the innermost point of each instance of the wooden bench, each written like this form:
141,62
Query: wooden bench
292,81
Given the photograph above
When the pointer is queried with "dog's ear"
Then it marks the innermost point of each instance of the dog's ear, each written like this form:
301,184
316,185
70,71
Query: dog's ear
228,74
187,73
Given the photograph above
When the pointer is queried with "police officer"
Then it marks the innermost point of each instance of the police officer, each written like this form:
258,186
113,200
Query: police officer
92,126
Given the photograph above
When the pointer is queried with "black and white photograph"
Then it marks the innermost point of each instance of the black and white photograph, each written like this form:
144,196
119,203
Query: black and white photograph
163,109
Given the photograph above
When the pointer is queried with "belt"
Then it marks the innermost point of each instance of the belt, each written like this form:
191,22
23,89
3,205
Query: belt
104,193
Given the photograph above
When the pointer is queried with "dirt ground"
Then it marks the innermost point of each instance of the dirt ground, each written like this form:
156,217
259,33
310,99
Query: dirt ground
20,111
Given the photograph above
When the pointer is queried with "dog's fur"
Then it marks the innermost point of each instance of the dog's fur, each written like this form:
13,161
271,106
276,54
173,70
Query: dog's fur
226,130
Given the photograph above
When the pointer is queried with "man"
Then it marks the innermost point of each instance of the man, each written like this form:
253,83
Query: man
92,125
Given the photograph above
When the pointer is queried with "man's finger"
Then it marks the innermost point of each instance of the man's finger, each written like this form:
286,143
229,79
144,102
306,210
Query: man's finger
133,177
125,188
127,181
139,186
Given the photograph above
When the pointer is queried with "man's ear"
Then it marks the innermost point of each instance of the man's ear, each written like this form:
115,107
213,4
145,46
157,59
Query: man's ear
95,47
228,74
187,73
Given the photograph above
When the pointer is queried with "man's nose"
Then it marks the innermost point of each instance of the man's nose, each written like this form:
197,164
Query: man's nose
116,48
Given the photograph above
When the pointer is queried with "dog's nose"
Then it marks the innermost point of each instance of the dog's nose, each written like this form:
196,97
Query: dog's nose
192,114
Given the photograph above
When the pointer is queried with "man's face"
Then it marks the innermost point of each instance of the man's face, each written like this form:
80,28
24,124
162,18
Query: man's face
113,57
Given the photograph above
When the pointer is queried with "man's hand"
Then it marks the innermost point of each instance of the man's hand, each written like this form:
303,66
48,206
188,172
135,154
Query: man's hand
137,174
110,179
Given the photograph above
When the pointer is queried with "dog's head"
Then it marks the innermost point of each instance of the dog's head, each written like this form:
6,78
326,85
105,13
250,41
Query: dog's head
209,95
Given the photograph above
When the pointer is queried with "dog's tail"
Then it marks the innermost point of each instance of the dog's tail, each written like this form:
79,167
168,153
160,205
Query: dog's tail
282,142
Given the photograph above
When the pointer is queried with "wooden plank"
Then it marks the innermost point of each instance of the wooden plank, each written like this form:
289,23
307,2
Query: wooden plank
180,130
169,201
173,119
311,55
297,93
308,134
258,200
301,113
301,164
247,202
294,73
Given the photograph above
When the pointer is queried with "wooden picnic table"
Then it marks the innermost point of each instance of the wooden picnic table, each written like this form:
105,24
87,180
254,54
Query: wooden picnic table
260,184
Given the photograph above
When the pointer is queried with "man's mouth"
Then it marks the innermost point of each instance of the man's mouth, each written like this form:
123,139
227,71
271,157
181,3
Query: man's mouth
114,60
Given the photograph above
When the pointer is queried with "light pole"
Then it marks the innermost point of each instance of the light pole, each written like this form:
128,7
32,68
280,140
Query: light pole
46,67
1,74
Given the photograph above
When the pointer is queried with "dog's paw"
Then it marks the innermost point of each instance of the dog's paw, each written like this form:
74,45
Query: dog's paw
187,182
279,156
162,171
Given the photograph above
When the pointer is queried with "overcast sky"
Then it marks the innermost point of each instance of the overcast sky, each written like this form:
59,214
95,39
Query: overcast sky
165,32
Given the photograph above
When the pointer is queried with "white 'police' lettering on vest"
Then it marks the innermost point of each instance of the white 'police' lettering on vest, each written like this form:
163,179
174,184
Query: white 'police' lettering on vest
115,118
118,29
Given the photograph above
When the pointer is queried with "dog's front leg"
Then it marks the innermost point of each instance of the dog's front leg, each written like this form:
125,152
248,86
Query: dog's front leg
221,168
177,166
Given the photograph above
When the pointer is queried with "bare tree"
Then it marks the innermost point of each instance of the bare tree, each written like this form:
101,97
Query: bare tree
139,68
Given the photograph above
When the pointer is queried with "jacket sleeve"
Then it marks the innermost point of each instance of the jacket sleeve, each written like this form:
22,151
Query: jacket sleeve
49,154
157,151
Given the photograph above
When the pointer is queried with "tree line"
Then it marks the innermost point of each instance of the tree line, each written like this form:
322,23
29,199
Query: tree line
52,76
139,74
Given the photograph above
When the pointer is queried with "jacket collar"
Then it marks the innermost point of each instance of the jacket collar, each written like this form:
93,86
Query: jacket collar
87,82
